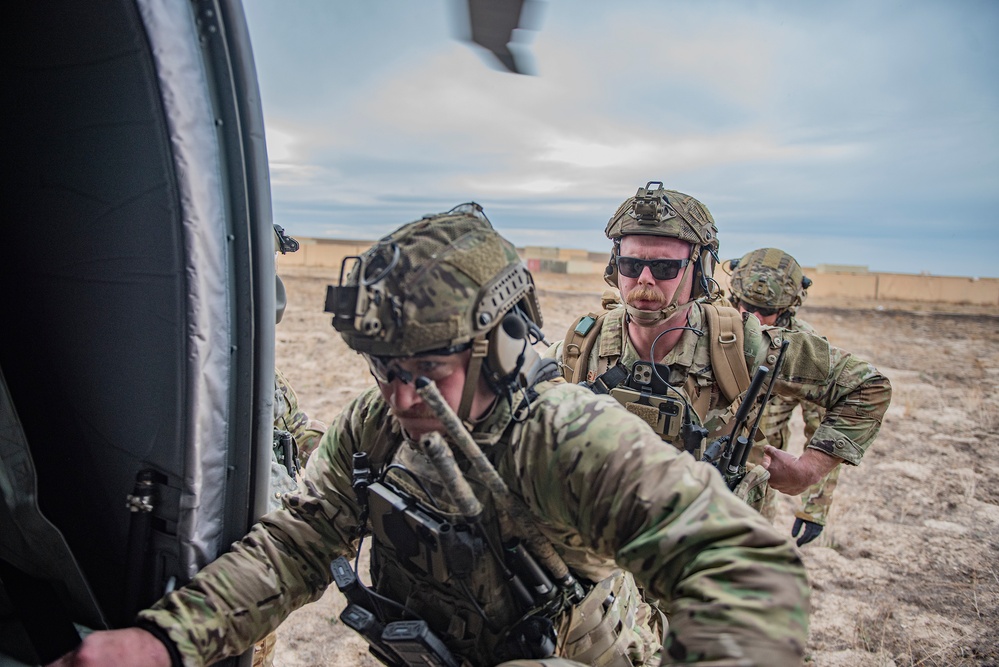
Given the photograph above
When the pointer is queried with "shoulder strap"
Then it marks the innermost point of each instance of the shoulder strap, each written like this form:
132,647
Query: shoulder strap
728,362
579,341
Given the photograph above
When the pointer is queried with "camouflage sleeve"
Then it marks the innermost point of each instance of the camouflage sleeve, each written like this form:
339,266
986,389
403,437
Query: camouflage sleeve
734,590
281,564
810,413
307,437
774,423
817,499
854,394
307,432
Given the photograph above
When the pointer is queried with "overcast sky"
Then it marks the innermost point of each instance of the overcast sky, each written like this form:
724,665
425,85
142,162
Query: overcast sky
859,133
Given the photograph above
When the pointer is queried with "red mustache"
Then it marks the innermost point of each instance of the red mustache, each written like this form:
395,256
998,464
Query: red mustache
645,293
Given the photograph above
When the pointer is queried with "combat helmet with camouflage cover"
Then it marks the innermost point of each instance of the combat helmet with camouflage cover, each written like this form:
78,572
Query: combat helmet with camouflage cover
440,285
768,278
656,211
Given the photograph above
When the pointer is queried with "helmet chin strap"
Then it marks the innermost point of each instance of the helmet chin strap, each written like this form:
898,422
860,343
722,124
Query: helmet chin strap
480,347
651,318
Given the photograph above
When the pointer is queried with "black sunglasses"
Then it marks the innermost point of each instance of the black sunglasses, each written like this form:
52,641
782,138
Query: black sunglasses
662,269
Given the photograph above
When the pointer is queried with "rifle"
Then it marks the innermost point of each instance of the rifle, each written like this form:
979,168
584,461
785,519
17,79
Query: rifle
532,565
729,453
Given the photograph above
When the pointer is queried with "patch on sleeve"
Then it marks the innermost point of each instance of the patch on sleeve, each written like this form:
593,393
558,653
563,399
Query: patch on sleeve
807,357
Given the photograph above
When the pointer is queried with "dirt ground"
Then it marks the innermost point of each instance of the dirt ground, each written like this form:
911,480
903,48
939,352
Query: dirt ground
906,572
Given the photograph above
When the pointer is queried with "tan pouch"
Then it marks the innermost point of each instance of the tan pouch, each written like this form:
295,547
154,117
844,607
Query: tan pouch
613,626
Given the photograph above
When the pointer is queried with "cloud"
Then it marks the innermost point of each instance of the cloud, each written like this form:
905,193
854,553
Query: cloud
835,127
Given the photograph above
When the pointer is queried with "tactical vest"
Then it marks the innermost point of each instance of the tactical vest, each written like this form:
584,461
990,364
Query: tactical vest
410,565
723,327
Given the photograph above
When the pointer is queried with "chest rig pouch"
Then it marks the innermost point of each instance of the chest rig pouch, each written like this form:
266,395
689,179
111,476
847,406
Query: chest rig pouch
428,541
646,393
484,596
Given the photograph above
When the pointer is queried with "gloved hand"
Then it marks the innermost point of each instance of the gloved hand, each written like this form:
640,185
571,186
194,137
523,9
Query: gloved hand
811,531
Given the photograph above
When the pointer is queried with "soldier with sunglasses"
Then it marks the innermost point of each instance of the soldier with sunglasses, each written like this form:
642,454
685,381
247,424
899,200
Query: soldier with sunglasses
665,247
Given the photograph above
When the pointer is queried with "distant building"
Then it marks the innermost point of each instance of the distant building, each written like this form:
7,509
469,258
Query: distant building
840,268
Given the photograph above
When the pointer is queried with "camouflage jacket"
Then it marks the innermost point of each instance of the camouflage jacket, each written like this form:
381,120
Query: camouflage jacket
854,394
595,479
778,411
289,417
305,433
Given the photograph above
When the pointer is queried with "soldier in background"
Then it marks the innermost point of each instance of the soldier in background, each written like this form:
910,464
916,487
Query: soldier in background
296,436
305,433
769,284
530,552
665,247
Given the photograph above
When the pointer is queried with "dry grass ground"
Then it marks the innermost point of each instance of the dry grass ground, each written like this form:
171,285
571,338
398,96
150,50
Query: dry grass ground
906,573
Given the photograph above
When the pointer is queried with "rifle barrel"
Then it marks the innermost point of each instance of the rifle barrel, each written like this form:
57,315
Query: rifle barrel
766,399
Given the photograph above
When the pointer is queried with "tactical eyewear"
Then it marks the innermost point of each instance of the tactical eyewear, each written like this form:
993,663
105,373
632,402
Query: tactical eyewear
435,365
662,269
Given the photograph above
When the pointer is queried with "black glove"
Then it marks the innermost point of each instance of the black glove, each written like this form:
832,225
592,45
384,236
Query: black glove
811,531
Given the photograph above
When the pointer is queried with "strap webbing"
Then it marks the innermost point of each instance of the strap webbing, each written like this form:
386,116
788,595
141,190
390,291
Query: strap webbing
728,362
579,342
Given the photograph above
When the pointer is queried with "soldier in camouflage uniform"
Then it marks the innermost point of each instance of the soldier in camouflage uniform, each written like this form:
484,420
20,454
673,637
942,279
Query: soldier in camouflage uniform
304,431
446,299
769,284
304,436
665,248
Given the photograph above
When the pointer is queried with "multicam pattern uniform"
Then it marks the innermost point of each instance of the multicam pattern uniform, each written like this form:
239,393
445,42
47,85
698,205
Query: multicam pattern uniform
817,499
595,478
289,417
306,433
854,394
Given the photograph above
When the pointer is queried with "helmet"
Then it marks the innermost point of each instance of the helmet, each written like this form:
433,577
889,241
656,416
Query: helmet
661,212
432,285
655,211
442,284
768,278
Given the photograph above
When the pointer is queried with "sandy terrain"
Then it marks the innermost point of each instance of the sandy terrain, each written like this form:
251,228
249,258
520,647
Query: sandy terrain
906,573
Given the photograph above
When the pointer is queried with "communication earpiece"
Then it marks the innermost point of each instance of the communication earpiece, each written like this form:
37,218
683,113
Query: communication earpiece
511,363
610,271
510,352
